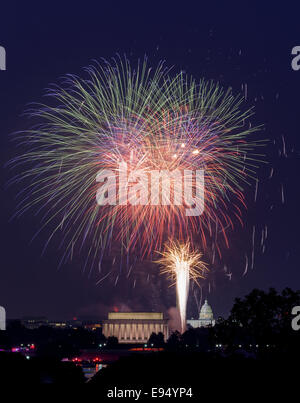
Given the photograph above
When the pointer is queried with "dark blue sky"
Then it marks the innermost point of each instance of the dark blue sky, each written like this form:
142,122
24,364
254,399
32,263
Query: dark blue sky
232,42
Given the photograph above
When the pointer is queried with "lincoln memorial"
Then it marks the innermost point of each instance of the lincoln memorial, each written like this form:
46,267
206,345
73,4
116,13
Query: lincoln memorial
135,327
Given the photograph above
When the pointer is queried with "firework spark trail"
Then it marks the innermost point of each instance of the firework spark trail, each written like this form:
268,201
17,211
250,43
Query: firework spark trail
103,278
256,189
128,274
182,289
283,146
198,299
181,263
253,247
148,120
246,265
282,194
262,237
117,279
213,254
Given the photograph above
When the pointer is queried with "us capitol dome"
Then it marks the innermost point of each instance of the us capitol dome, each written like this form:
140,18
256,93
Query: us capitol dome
206,317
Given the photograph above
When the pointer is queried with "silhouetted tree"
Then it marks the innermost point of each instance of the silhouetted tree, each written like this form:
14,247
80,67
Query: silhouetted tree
16,369
199,338
58,349
157,340
112,342
262,318
174,341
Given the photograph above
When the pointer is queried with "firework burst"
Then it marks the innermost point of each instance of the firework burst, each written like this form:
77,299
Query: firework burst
148,120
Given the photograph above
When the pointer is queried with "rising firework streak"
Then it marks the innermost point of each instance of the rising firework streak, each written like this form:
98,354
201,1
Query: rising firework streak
181,264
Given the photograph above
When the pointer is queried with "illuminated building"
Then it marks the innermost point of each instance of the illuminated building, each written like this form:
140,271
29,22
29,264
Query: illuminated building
92,325
58,324
75,323
206,317
135,327
2,318
34,322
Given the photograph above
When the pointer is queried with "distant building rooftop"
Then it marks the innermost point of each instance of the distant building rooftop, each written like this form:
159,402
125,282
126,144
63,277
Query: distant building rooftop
135,315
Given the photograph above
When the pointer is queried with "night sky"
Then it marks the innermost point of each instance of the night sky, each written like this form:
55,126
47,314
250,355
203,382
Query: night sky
235,43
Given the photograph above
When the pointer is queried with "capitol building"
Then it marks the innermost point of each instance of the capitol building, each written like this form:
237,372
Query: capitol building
206,317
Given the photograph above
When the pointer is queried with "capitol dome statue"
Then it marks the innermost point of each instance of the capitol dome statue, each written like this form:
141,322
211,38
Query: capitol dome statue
206,317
